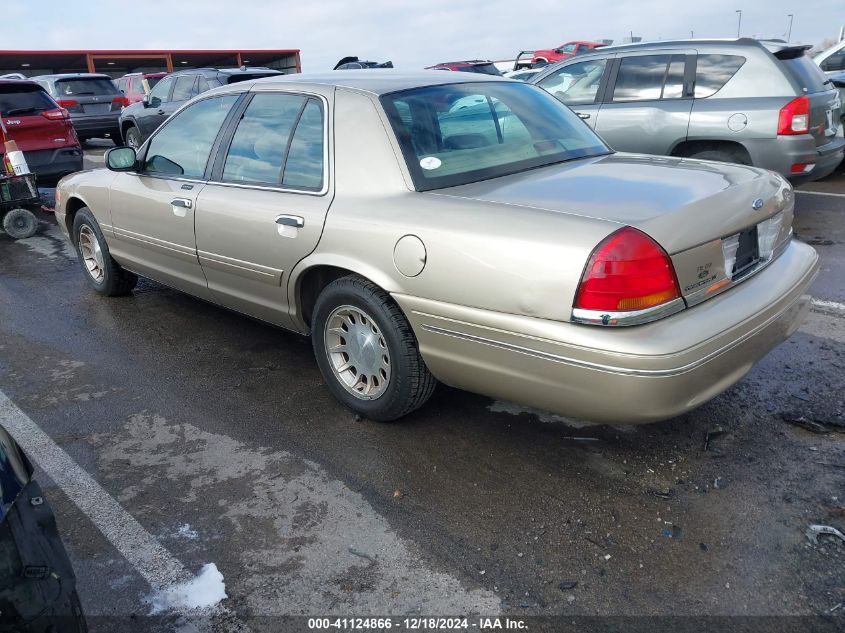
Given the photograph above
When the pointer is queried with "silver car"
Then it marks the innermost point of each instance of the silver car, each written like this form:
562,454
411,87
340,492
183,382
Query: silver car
453,227
742,101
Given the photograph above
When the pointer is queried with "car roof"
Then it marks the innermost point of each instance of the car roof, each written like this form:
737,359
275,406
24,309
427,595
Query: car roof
73,76
380,80
771,45
20,82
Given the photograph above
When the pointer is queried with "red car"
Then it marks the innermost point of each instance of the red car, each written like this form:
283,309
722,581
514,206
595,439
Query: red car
564,51
41,128
135,86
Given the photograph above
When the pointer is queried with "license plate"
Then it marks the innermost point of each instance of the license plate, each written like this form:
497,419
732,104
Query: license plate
741,252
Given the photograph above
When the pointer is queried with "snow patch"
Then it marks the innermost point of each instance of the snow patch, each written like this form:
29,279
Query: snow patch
544,416
205,590
186,531
830,305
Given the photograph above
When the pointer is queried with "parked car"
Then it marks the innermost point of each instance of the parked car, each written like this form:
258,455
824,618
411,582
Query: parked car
41,128
838,80
483,66
37,583
742,101
353,63
135,86
564,51
500,247
522,75
92,100
832,60
139,120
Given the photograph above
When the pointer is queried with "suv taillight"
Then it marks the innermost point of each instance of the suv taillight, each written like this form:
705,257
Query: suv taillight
67,103
794,117
627,272
55,115
121,102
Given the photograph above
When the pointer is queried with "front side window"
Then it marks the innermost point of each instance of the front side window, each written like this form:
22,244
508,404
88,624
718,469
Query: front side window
649,77
182,146
576,84
460,133
161,92
569,48
712,72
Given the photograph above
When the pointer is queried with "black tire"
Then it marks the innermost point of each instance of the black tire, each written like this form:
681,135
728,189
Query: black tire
410,384
723,156
114,281
133,137
20,224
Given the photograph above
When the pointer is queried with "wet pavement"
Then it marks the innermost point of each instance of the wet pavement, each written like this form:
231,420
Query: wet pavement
215,436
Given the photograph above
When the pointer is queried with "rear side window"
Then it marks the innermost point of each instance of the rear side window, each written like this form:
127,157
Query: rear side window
649,77
713,72
184,88
258,148
22,100
805,71
80,87
304,166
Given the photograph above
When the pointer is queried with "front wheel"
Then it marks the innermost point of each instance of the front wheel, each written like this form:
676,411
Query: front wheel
102,272
133,137
367,352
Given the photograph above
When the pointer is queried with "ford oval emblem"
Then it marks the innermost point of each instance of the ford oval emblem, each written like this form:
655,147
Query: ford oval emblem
757,204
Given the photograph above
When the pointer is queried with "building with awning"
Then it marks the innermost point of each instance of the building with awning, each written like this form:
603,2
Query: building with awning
119,62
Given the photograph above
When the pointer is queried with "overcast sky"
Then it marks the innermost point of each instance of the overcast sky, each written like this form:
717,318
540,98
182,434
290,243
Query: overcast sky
411,34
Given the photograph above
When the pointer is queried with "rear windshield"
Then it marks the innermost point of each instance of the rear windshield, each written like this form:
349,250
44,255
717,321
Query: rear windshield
460,133
21,100
233,79
805,71
79,87
484,69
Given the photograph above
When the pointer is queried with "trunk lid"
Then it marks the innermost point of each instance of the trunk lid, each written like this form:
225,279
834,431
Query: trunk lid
680,202
22,106
825,103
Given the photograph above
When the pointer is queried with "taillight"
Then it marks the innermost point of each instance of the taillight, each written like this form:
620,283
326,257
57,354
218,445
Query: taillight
121,102
627,272
55,115
68,103
794,117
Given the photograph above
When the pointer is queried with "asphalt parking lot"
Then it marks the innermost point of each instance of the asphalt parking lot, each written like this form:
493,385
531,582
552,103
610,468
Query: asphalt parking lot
209,438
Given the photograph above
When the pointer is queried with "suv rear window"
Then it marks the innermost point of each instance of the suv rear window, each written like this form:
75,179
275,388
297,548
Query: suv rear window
805,71
17,100
484,69
713,72
85,86
233,79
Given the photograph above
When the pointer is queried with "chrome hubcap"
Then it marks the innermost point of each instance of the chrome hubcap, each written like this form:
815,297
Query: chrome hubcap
357,352
92,254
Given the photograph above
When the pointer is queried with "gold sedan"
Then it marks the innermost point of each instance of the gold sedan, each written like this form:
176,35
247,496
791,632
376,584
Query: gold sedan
458,228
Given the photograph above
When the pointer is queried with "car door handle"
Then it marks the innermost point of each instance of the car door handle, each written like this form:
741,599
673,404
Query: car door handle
583,115
290,220
185,203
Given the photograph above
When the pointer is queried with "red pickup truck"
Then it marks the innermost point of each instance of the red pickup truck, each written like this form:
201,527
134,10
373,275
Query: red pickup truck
564,51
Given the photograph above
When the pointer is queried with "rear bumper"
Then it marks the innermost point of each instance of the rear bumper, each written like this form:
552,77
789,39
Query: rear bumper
617,375
779,154
98,125
53,163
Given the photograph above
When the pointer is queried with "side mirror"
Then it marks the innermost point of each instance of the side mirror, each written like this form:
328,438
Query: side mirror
121,159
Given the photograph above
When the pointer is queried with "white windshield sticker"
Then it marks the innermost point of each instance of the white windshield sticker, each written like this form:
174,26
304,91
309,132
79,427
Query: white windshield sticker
430,162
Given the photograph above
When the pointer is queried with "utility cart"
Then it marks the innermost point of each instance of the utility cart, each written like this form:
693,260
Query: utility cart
18,198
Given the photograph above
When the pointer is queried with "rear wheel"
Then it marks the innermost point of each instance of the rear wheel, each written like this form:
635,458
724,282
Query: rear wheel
103,274
723,156
133,137
20,224
367,352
